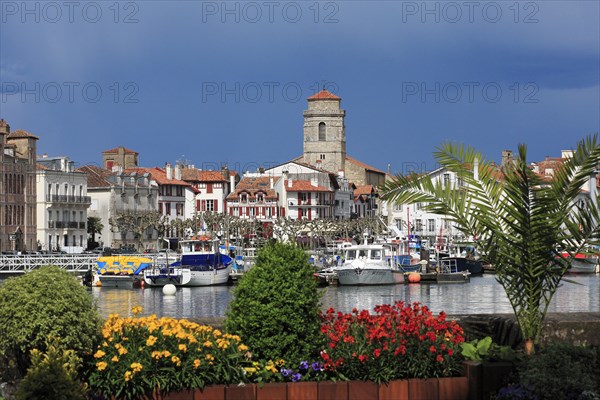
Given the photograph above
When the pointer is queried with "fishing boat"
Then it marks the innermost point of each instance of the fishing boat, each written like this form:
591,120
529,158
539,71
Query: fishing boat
581,263
207,264
121,271
463,256
365,264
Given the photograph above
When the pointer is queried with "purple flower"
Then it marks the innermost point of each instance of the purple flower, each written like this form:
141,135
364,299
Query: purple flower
304,365
285,372
296,377
316,366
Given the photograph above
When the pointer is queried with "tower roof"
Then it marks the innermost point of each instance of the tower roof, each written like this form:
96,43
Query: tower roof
19,134
324,95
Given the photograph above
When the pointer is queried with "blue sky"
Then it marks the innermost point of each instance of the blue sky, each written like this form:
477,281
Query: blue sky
227,82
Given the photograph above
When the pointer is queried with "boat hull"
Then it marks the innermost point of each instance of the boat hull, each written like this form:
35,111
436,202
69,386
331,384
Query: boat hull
118,281
368,276
158,277
583,266
474,267
209,277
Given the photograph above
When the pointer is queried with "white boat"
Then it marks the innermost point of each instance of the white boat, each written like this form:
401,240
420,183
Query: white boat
365,264
161,275
208,266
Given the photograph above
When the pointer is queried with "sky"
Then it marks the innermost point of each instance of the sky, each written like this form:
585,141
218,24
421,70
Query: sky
215,82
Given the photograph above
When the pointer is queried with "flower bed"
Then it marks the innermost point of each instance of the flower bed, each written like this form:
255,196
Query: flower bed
400,349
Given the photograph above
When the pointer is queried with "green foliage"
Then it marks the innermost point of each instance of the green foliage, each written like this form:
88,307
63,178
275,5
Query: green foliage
276,306
42,303
522,222
53,375
562,371
486,349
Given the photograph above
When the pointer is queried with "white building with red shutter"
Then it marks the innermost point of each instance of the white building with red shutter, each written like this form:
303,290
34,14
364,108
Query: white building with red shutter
212,187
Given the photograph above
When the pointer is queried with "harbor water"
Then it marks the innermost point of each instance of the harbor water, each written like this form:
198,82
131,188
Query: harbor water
482,295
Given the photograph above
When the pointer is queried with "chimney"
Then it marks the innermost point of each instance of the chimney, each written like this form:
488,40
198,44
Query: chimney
341,173
290,183
178,171
271,181
231,182
168,171
476,169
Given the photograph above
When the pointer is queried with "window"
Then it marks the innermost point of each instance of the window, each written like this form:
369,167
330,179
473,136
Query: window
431,225
168,208
217,185
179,208
419,224
49,189
179,191
259,197
376,254
446,180
398,223
210,205
322,131
302,196
243,197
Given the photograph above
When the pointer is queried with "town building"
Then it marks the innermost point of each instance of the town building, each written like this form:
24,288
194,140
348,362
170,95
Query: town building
17,189
62,204
255,198
117,193
174,195
212,187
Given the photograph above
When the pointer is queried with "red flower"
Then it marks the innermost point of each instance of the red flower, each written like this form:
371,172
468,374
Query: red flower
432,349
362,358
377,353
439,358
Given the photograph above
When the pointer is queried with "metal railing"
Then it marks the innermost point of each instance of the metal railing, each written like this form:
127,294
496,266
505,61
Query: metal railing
59,198
12,264
66,224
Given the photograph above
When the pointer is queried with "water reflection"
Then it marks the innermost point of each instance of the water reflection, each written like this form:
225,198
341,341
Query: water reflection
483,295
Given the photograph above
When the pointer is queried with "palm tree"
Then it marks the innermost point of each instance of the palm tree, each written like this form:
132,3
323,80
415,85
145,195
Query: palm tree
523,222
94,226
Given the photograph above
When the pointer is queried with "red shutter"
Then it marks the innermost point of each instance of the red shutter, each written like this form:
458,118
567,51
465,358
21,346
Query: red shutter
282,212
203,205
216,205
309,212
209,188
197,205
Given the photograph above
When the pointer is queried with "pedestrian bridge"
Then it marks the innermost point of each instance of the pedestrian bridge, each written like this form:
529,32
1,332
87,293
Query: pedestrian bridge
17,264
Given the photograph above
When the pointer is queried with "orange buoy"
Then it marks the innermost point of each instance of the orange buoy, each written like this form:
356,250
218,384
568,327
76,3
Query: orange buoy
414,277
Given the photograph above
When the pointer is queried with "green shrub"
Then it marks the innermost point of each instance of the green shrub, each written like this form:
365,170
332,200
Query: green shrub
52,376
275,308
486,350
42,303
561,371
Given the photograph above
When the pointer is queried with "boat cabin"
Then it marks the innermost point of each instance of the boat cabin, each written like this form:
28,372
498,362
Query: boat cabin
365,253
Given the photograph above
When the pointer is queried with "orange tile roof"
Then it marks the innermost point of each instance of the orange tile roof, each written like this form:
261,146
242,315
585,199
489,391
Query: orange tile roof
40,167
365,189
303,186
363,165
324,95
20,133
116,150
159,175
196,175
254,185
96,176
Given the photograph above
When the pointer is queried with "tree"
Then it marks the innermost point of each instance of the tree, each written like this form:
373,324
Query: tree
523,222
94,226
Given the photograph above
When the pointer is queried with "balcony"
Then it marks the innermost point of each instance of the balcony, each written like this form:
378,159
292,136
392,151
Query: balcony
66,225
56,198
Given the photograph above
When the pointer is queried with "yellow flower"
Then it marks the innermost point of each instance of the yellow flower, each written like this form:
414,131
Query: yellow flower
156,354
217,333
99,354
209,357
122,351
176,360
136,310
136,367
196,363
250,370
128,375
183,347
151,340
101,365
208,343
280,362
166,353
242,347
115,359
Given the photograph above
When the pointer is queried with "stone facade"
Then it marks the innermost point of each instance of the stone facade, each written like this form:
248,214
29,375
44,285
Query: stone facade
119,158
17,189
325,132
